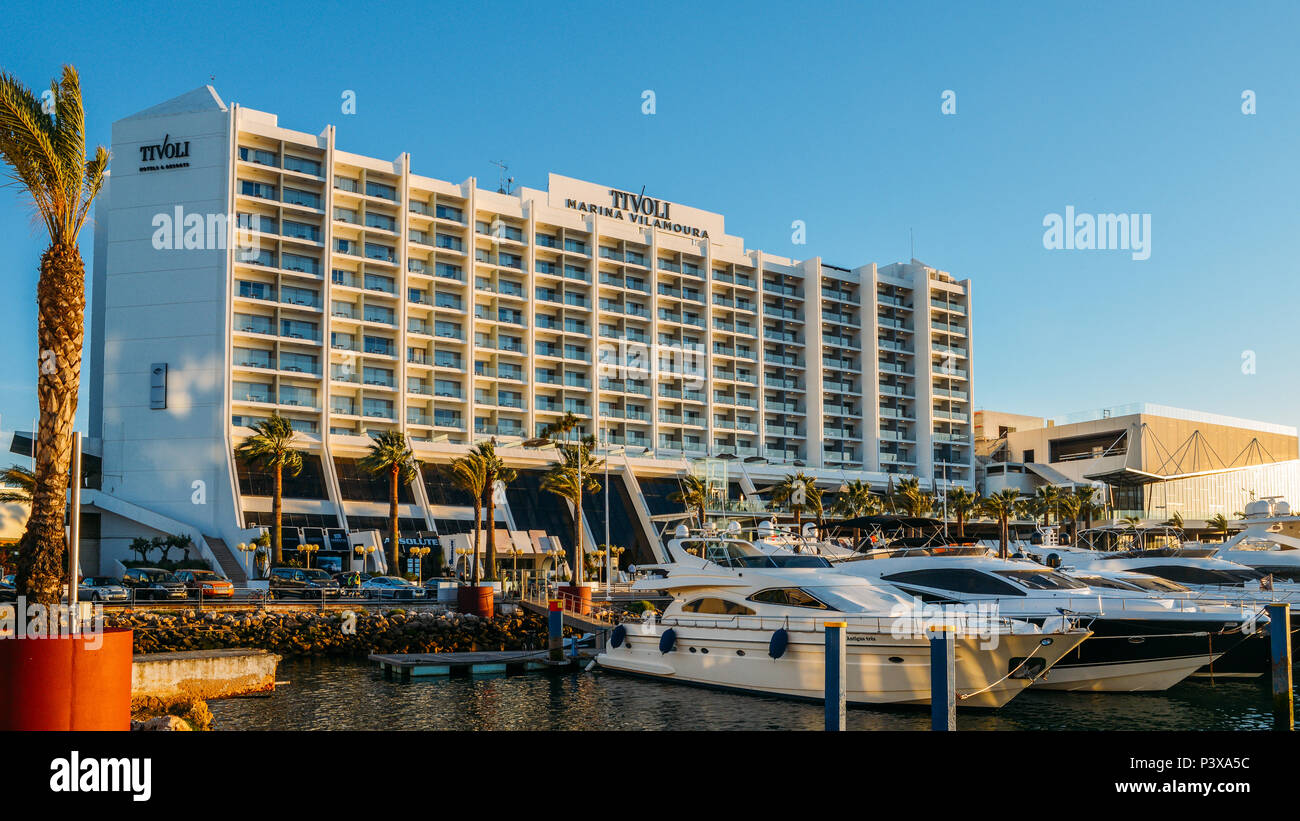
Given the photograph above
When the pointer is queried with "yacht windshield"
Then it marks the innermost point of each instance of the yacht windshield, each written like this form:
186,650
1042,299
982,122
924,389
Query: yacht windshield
1041,579
1158,585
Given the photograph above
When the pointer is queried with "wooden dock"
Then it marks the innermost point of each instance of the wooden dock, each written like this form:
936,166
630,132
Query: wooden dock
491,662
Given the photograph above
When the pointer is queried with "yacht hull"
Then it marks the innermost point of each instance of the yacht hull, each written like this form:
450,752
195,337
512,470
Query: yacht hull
881,670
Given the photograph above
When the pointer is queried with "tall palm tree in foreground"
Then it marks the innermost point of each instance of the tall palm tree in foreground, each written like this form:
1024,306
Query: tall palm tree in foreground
494,470
693,495
1002,506
469,473
391,456
18,483
563,481
43,145
271,446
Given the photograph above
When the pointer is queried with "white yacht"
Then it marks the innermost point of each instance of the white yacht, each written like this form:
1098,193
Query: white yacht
1262,543
749,619
1143,640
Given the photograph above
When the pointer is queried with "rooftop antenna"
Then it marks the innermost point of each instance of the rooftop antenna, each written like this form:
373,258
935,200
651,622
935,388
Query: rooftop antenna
503,186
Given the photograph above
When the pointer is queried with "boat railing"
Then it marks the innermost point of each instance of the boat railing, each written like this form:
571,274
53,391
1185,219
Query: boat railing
962,621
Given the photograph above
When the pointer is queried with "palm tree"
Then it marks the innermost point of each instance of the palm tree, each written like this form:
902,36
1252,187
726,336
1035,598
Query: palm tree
789,489
391,455
1133,521
1045,499
693,495
495,471
569,479
469,473
43,143
19,482
1002,506
1067,510
271,446
1218,523
1176,520
913,500
1086,494
962,503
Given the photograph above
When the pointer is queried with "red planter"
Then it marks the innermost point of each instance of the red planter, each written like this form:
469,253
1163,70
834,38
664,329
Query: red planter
476,600
576,599
63,684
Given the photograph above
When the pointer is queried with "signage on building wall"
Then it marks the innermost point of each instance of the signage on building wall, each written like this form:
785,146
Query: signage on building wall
165,155
638,209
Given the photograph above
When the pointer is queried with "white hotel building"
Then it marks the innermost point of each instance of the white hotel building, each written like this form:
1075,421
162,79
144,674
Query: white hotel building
375,299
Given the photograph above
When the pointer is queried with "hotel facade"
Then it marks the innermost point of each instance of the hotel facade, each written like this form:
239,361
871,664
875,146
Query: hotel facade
242,268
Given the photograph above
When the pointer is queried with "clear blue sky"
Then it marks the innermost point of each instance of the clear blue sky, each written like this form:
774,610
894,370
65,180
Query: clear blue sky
770,113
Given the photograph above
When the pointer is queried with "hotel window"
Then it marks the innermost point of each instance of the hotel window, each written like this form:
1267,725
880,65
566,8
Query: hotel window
547,240
250,392
299,363
346,278
262,190
380,313
378,189
449,242
382,377
508,371
344,405
446,388
256,290
342,342
544,267
510,260
301,230
416,266
297,262
380,408
253,324
447,359
420,237
447,419
382,221
252,358
259,156
295,329
302,165
343,372
299,296
448,301
634,257
449,330
345,215
380,252
378,345
575,272
448,271
379,282
576,246
448,212
293,196
346,184
417,295
256,222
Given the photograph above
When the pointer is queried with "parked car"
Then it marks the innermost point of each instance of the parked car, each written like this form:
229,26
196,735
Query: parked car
391,587
102,588
153,583
295,582
8,591
212,585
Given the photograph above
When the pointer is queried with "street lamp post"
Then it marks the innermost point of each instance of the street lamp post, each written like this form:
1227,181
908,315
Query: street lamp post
419,553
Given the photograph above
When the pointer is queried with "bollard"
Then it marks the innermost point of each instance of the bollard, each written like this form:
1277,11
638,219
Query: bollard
1279,632
555,630
943,679
836,672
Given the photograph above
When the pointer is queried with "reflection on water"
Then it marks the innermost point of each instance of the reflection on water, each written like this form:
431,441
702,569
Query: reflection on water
334,695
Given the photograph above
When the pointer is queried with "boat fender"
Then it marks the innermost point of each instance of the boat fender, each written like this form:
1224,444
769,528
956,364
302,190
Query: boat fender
617,637
589,666
668,641
1053,560
780,641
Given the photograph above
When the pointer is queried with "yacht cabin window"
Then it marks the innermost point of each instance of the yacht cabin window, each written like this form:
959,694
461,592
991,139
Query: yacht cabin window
716,606
1041,579
959,581
790,597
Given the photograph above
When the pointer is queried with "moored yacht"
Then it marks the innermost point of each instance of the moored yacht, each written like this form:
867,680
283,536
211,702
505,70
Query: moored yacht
744,618
1142,640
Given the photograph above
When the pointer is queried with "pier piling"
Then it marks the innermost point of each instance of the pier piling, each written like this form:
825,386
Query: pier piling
943,679
555,629
836,672
1279,631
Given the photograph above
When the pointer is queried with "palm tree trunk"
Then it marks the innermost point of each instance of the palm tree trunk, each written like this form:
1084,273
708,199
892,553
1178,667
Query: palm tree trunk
491,522
61,307
478,518
277,512
394,551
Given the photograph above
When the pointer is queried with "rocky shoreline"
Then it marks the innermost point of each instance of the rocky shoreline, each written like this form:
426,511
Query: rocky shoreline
332,634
